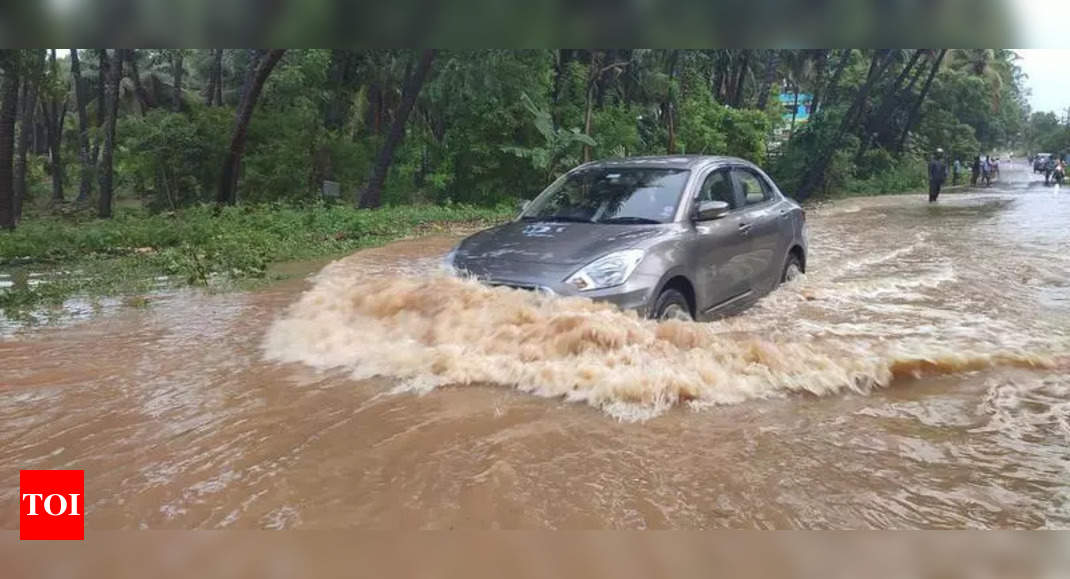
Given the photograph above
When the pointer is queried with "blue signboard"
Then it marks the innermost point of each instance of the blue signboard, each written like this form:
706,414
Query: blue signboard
802,112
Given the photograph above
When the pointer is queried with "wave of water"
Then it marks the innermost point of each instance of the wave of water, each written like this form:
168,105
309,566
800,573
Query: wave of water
431,331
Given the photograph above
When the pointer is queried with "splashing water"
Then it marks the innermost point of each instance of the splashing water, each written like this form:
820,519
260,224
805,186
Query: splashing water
434,331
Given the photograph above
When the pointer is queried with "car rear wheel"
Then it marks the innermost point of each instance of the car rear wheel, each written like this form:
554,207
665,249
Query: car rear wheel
672,305
792,269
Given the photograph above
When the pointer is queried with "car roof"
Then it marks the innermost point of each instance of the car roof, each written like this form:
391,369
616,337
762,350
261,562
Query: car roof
664,161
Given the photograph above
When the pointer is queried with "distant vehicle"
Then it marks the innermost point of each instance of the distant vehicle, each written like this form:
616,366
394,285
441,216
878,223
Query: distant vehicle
1040,161
687,237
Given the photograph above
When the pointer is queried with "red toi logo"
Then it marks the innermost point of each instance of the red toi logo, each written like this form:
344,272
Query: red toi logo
51,505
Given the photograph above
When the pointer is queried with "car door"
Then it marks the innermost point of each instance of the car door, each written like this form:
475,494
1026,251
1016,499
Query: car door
717,272
760,225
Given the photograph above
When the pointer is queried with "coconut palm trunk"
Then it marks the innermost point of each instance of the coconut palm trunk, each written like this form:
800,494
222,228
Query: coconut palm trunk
794,110
9,102
27,108
769,69
85,184
372,195
916,110
55,109
176,67
111,98
260,69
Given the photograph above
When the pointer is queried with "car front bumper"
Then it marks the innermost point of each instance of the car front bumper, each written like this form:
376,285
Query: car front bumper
635,294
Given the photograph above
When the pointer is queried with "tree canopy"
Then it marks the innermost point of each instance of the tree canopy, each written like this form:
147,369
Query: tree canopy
487,126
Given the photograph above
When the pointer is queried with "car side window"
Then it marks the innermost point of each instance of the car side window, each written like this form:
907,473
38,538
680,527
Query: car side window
718,187
754,190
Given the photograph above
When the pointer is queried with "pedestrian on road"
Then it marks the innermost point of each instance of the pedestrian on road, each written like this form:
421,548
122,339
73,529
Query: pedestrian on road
975,170
955,170
937,174
1049,168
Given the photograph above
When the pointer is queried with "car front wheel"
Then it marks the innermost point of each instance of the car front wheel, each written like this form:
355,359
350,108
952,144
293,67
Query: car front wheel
672,305
792,269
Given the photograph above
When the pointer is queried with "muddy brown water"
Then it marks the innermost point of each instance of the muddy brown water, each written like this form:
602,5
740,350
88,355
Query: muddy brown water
917,376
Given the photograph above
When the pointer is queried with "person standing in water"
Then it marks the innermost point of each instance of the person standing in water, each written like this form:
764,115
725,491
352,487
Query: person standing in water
975,170
937,174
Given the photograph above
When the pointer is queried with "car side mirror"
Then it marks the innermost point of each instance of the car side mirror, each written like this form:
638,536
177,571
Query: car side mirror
709,210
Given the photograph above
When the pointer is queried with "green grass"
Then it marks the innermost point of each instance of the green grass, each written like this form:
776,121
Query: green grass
200,246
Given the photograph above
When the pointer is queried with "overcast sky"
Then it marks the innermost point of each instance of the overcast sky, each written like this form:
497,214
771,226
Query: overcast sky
1049,78
1043,23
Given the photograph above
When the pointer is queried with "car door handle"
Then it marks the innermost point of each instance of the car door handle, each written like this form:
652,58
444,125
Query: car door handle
744,228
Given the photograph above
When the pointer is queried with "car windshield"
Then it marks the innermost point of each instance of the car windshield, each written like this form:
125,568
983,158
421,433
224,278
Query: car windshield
612,195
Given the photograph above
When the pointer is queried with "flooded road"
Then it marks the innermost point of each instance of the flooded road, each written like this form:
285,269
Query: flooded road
918,376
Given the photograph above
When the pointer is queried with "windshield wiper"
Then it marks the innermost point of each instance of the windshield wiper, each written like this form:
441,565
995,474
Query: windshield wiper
639,220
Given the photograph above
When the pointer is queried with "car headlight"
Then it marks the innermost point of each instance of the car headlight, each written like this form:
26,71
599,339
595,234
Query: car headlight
608,271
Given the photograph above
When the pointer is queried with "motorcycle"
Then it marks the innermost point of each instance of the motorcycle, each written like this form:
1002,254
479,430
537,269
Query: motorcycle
1058,174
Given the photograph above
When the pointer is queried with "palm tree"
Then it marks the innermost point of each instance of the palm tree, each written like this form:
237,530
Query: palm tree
213,93
913,117
9,102
27,107
259,70
992,66
820,59
111,108
974,60
414,80
769,74
800,71
81,99
54,103
814,177
831,91
177,69
144,102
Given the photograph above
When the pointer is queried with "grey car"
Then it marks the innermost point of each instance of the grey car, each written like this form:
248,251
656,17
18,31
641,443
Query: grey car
680,237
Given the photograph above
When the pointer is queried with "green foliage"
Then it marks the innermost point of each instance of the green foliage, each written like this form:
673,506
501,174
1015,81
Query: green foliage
841,171
473,107
173,159
709,128
277,231
570,108
1044,133
974,105
558,151
202,246
886,174
617,129
491,126
794,159
286,132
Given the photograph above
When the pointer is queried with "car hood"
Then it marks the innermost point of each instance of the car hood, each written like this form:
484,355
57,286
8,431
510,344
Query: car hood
552,242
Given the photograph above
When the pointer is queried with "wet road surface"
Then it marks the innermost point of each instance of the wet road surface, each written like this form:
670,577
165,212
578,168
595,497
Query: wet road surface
918,376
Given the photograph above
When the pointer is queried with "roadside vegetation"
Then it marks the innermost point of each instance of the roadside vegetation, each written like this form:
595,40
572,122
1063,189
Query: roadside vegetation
204,247
1047,132
209,165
